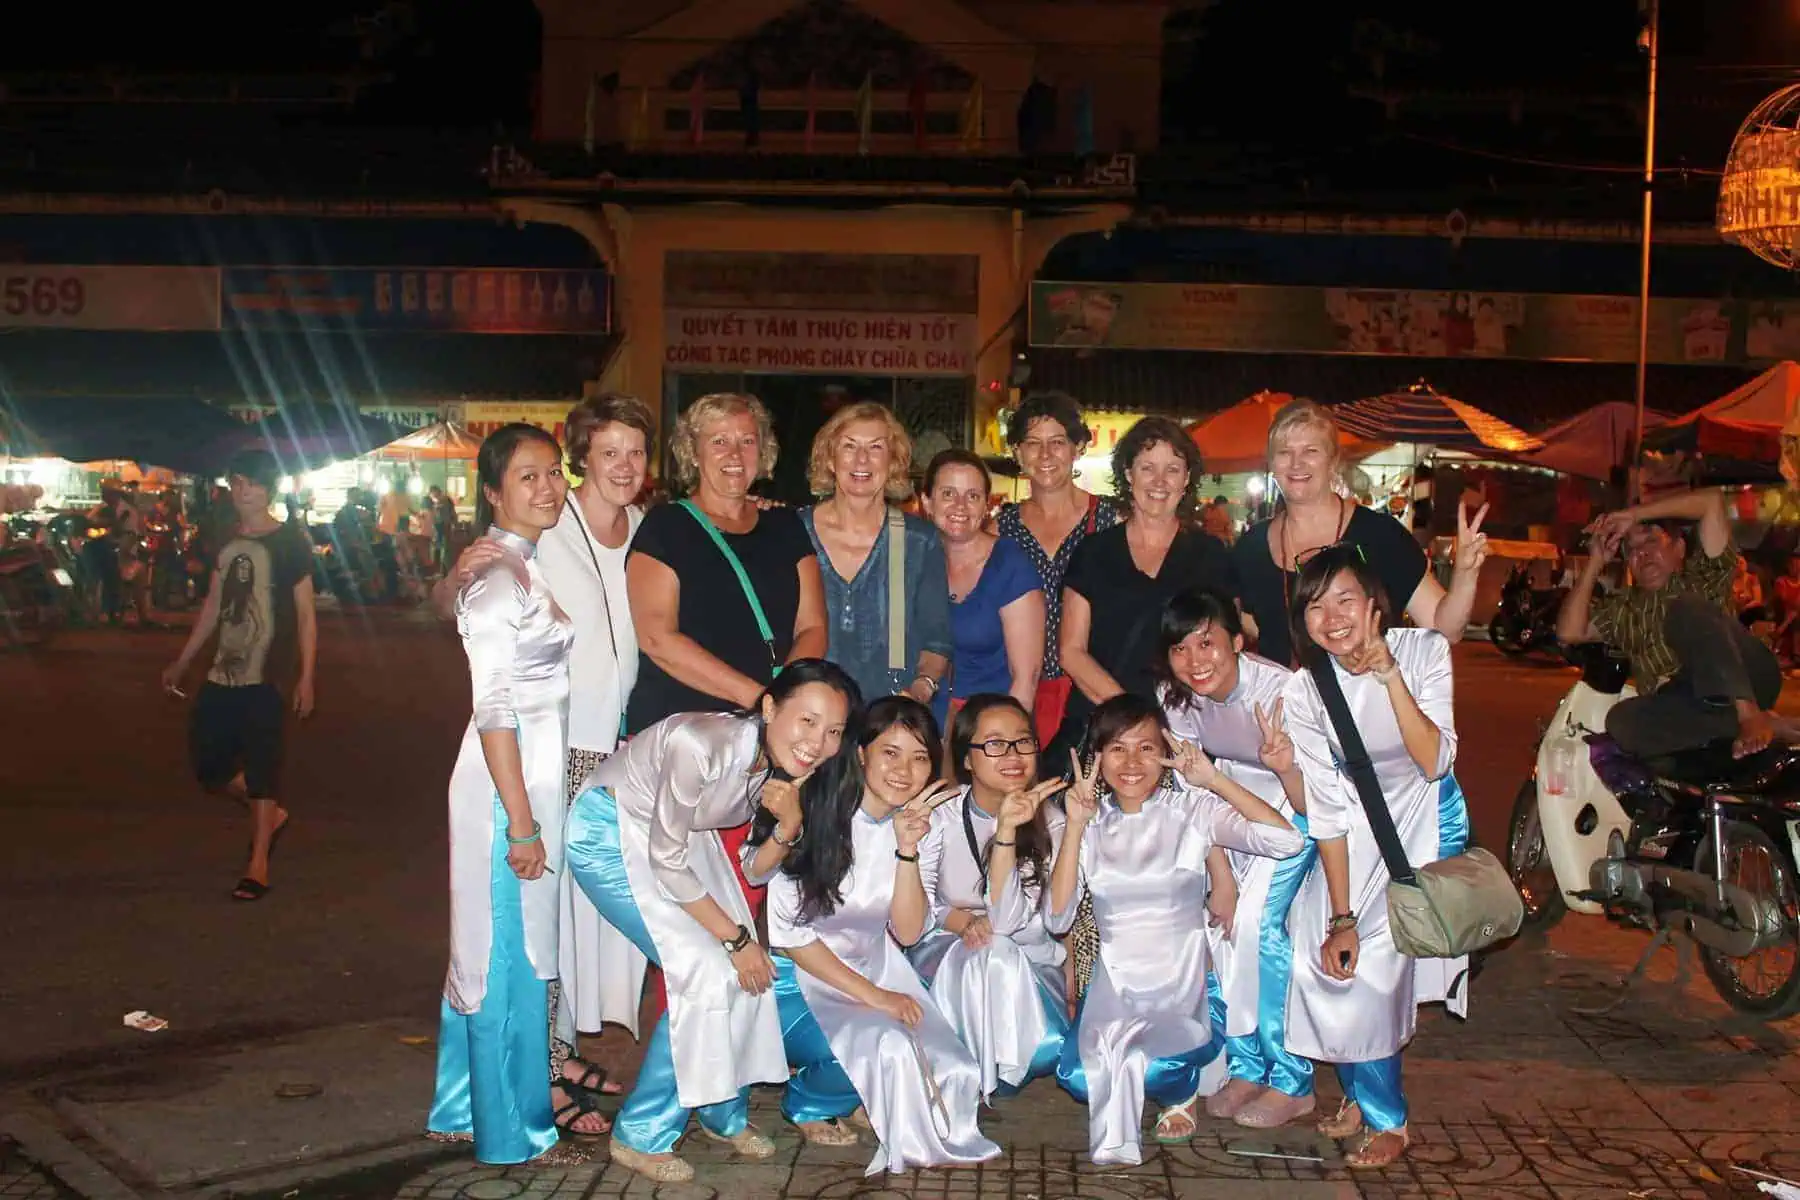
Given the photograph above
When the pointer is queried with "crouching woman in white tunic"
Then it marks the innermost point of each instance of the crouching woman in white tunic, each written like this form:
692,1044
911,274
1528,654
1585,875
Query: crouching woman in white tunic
1136,840
643,843
1230,704
847,899
994,970
1353,997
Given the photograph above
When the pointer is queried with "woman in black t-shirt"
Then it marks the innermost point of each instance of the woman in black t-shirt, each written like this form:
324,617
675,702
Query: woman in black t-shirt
1119,578
1304,459
700,646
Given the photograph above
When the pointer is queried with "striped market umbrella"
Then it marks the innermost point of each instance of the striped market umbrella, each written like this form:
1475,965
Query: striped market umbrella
1421,416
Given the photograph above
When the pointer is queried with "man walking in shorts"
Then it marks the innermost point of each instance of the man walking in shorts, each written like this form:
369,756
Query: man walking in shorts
259,616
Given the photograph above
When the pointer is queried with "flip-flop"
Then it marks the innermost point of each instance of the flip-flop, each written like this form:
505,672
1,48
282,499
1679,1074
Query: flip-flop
248,889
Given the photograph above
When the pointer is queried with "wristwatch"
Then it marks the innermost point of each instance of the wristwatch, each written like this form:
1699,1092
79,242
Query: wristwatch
734,944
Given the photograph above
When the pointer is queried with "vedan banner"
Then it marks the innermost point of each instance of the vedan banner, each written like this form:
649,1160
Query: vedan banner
1428,324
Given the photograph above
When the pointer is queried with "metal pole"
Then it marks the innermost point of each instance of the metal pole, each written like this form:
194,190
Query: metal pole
1635,482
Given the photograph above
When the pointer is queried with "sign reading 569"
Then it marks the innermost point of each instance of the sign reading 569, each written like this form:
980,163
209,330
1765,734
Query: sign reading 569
46,296
42,296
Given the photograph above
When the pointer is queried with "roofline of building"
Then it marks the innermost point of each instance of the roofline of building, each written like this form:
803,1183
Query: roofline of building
1348,224
225,204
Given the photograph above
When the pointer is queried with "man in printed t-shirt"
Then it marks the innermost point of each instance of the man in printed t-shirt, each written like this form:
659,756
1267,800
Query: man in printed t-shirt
260,611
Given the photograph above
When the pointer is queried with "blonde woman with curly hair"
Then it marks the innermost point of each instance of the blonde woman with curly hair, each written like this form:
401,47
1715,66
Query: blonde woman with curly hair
1316,512
860,467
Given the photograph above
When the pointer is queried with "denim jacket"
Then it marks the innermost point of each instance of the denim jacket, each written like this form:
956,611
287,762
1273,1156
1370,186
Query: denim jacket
856,610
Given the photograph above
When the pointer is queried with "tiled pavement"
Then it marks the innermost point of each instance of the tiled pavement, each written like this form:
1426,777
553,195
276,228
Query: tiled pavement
21,1179
1529,1099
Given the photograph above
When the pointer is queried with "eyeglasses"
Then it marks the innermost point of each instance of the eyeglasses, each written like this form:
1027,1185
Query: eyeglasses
999,747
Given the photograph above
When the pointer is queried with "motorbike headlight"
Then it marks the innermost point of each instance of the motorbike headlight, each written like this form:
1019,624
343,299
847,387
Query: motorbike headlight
61,576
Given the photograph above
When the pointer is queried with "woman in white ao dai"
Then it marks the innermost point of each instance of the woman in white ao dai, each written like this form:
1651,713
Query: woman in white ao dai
851,894
994,970
1137,843
1354,995
1229,703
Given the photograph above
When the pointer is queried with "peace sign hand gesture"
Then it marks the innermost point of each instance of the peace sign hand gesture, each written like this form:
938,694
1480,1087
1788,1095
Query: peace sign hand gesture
913,821
1471,543
1018,808
1191,762
1277,749
1371,655
1081,803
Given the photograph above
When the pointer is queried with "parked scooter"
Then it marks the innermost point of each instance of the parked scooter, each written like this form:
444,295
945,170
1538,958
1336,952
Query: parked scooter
35,593
1525,619
1702,845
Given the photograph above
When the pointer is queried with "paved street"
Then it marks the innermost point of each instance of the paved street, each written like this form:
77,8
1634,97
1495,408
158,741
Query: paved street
116,898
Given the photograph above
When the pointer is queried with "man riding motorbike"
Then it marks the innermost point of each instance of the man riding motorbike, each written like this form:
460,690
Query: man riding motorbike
1700,676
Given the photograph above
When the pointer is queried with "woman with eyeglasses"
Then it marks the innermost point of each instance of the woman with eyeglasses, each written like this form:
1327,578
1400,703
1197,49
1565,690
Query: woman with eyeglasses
1316,511
855,1017
996,973
1143,815
1353,997
1229,702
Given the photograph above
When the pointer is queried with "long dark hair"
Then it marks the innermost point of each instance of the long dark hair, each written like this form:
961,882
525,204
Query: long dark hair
1315,577
1033,850
1109,722
1181,616
832,784
827,849
495,455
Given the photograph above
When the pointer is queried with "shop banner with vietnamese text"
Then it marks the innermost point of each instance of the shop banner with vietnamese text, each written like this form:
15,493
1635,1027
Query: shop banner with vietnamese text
1426,324
418,299
798,341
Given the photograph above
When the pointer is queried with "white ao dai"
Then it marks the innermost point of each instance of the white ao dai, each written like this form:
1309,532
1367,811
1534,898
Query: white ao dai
1228,731
517,642
990,996
1371,1016
920,1087
1146,872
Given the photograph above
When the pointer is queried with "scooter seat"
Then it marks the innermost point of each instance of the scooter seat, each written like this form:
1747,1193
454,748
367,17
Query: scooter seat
1712,769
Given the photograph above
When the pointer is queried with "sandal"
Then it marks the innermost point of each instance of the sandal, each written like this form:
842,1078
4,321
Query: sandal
248,889
592,1078
1179,1112
1381,1148
1343,1123
657,1168
827,1133
579,1103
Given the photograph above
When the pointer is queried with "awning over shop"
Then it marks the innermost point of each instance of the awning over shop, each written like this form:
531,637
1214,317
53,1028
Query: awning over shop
1744,424
175,432
251,367
1197,383
1592,443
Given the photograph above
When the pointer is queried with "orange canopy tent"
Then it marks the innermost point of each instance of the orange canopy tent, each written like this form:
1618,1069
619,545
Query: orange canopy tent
1237,440
441,440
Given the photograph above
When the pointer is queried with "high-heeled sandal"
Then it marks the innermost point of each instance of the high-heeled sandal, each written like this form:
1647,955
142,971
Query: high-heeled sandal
1366,1157
1186,1110
1343,1123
